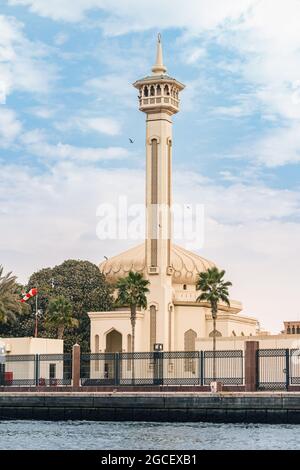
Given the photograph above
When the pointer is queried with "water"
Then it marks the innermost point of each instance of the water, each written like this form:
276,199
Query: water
147,436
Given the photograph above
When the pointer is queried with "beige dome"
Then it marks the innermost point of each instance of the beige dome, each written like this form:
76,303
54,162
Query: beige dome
186,265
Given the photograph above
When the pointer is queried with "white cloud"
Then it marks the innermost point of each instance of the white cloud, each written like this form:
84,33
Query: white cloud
102,125
60,39
43,111
10,126
248,231
37,144
194,55
136,15
22,62
116,85
279,146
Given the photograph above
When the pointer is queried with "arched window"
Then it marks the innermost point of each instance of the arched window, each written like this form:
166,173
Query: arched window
97,363
96,343
152,327
242,333
288,330
190,340
190,345
146,91
184,287
298,330
152,90
158,90
233,333
293,330
129,350
166,90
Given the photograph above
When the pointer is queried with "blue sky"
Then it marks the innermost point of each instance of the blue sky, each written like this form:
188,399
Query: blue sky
68,107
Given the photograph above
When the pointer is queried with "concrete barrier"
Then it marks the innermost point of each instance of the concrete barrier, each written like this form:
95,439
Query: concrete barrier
260,407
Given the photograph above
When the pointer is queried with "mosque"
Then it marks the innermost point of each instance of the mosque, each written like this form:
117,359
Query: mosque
173,317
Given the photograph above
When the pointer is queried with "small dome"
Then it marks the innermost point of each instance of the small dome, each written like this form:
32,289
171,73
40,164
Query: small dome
186,265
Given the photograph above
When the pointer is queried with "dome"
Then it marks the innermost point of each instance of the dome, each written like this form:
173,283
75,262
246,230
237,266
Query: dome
186,265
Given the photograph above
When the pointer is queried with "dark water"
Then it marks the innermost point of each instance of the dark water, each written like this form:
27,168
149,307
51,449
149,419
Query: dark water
135,435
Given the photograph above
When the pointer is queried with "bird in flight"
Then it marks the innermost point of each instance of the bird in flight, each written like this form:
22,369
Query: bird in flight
106,257
131,140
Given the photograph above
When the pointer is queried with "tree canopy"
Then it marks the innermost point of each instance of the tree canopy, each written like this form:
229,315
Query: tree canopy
79,282
10,295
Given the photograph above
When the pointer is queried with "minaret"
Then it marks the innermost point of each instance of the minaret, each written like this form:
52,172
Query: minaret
159,99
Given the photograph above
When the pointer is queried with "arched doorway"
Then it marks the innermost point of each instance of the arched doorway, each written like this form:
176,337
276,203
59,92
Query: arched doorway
113,345
190,346
113,341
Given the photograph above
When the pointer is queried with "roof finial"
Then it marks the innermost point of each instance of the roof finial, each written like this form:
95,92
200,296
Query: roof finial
159,67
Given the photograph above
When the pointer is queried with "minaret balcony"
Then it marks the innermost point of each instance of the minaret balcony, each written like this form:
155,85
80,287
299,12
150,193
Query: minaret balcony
162,102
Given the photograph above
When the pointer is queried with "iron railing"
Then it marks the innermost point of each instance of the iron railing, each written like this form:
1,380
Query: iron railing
36,370
278,368
161,368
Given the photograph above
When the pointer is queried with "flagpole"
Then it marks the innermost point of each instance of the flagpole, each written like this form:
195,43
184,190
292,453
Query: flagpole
36,316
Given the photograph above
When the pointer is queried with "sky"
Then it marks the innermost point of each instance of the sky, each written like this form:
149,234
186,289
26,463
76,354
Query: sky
68,108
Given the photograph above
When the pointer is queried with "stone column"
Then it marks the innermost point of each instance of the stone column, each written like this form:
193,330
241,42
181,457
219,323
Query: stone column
251,372
76,366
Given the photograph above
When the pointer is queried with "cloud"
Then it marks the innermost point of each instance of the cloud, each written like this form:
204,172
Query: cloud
60,39
252,231
101,125
136,15
10,127
116,85
37,144
279,146
23,64
194,55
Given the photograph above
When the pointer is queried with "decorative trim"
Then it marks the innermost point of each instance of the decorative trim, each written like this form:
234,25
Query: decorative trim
154,200
153,137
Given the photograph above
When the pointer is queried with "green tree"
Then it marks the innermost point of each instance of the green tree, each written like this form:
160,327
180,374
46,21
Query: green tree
132,291
59,316
84,286
213,290
10,306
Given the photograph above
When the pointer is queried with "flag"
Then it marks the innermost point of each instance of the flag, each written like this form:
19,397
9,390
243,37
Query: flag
30,294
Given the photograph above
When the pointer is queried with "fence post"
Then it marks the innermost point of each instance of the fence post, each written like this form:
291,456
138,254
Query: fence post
251,366
201,368
287,368
76,366
37,369
117,368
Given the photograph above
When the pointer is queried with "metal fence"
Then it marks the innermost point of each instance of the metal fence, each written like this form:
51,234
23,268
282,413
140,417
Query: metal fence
278,368
161,368
36,370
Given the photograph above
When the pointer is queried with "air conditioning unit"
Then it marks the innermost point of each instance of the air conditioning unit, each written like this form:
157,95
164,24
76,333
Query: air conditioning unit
153,270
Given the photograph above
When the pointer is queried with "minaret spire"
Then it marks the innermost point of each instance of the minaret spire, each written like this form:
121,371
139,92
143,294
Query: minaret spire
159,68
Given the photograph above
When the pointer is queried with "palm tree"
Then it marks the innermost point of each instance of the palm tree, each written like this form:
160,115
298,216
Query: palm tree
213,290
132,292
9,305
59,316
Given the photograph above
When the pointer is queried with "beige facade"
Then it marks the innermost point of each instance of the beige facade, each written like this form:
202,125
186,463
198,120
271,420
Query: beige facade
21,369
173,317
265,342
29,345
